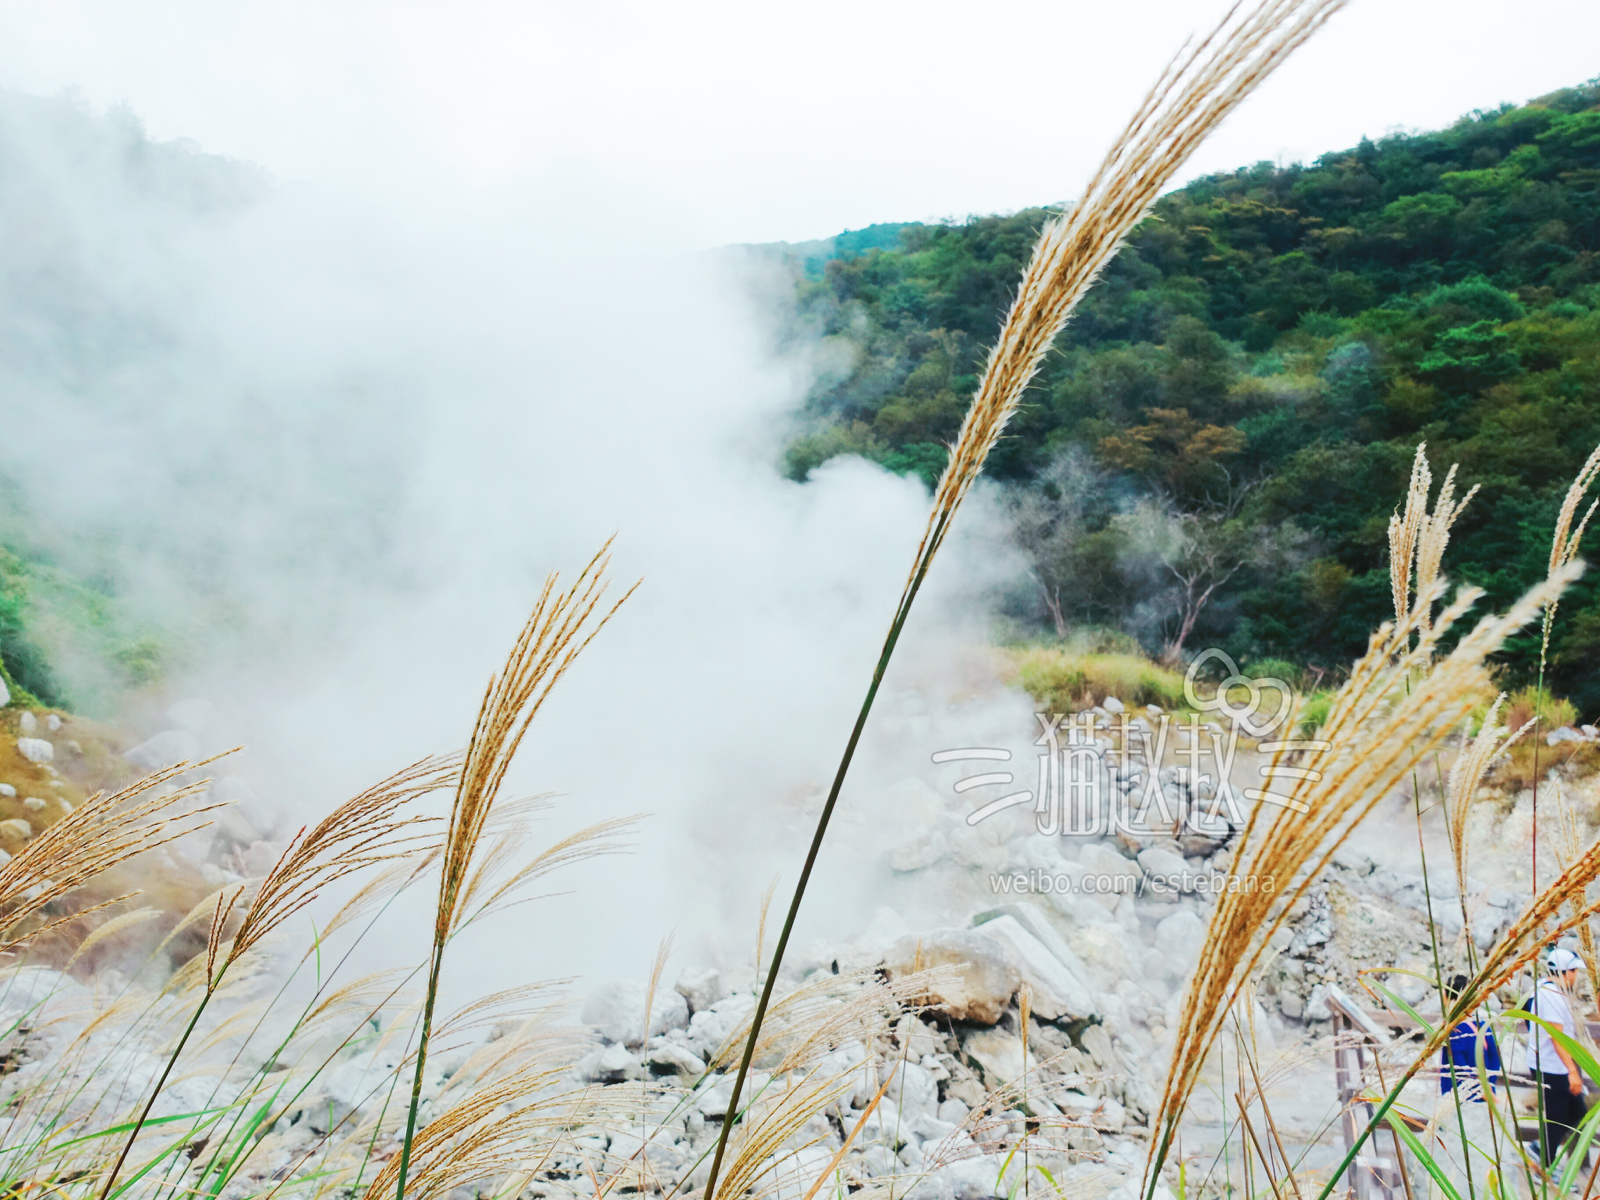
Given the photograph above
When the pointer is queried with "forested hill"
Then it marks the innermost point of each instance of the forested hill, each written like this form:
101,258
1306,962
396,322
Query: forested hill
1238,401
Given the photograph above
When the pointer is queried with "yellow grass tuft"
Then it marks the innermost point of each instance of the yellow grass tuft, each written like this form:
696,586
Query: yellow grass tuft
1401,702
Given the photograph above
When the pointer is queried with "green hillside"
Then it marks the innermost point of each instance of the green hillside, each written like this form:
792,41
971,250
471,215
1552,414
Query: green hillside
1237,402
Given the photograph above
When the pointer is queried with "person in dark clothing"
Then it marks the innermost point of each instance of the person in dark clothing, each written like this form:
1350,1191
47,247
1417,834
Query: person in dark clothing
1471,1046
1465,1127
1548,1060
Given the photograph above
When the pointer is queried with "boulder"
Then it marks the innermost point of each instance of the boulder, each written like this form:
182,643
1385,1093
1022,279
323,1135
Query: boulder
1316,1008
35,750
999,1054
711,1027
1353,860
28,724
1178,939
1108,874
37,990
1055,992
700,986
983,983
1166,872
33,804
17,828
915,1090
974,1178
616,1009
164,750
52,722
1488,924
668,1057
918,853
7,790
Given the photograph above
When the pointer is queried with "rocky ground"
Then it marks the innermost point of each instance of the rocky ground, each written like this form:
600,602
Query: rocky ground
1093,933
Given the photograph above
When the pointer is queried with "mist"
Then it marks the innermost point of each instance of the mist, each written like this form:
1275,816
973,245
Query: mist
325,447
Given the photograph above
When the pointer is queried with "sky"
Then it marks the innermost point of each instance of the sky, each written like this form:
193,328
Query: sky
718,122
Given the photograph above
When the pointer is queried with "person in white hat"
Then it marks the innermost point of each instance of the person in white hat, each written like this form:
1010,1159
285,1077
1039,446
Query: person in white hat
1548,1061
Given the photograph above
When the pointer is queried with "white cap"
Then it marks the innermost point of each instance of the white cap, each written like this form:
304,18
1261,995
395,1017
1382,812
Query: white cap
1562,959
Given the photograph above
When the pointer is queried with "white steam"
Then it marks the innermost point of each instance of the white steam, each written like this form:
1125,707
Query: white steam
331,448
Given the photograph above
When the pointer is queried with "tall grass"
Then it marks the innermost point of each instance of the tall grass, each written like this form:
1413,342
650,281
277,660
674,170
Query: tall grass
1066,682
1205,82
1403,700
561,625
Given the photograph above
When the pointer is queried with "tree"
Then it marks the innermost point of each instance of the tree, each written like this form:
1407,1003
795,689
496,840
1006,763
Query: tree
1197,554
1053,521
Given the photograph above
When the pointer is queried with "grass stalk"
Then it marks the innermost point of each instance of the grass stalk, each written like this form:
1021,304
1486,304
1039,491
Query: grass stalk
144,1113
1204,82
561,625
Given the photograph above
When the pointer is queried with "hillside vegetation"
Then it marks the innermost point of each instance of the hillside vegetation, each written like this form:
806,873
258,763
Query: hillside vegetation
1212,455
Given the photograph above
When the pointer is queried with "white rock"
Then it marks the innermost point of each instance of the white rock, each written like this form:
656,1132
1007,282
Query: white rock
28,724
713,1101
1317,1005
7,790
1107,874
680,1058
953,1111
975,1178
33,804
920,852
617,1010
35,988
883,1124
1112,705
615,1060
711,1027
1167,873
5,694
986,977
915,1090
1565,734
1035,922
35,750
52,722
164,750
999,1054
1353,860
930,1128
1055,992
16,827
1488,924
700,986
789,1176
1178,939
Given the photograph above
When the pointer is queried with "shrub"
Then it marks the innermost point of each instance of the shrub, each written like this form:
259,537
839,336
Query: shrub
1553,711
1064,681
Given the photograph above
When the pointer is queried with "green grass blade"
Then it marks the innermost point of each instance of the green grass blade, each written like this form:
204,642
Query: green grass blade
1429,1163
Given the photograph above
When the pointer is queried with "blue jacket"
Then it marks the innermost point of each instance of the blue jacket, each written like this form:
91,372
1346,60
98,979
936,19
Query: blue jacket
1458,1060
